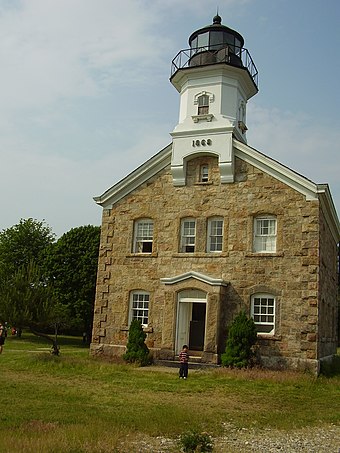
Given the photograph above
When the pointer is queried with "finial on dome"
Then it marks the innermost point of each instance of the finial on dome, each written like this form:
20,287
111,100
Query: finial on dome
217,19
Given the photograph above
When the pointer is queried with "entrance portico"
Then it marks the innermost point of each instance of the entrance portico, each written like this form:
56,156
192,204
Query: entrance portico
197,302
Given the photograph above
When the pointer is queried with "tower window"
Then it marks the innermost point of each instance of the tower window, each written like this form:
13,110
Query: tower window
204,173
203,104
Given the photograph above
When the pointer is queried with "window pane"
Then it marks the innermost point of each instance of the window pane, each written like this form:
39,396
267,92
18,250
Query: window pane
203,40
216,37
264,235
188,236
263,313
143,236
215,235
140,307
204,173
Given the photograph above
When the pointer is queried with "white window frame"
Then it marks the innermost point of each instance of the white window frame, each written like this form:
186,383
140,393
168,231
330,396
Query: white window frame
215,234
139,307
204,173
188,235
265,234
143,236
263,308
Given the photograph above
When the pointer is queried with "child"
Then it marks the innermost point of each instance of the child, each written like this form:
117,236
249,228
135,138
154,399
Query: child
183,362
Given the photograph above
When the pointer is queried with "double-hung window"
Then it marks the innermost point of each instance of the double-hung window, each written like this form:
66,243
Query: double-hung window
143,236
215,234
139,307
263,313
265,234
188,235
204,173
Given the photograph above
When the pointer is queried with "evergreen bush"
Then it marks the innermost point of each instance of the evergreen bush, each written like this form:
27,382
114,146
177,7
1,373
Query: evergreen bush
136,349
241,339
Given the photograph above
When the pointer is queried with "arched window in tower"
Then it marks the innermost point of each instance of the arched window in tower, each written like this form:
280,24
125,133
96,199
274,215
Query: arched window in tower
203,104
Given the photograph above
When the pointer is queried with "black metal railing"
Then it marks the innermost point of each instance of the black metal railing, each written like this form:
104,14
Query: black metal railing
202,56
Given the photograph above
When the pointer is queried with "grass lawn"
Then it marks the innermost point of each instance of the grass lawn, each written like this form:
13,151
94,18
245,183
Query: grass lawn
75,403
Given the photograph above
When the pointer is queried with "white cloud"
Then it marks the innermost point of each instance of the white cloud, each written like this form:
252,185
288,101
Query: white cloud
55,49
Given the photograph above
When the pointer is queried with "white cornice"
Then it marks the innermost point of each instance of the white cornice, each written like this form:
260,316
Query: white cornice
135,179
195,275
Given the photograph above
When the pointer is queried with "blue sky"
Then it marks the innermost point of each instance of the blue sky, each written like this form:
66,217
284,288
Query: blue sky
85,95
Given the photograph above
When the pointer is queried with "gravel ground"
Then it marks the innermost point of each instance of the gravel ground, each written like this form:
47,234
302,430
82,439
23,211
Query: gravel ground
311,440
325,439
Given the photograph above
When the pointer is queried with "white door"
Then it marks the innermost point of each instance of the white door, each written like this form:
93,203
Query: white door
183,323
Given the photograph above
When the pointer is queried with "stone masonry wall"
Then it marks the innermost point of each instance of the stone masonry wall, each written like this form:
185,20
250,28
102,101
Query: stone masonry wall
292,273
328,306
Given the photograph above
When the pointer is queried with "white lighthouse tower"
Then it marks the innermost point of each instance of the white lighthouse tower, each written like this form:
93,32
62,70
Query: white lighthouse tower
215,78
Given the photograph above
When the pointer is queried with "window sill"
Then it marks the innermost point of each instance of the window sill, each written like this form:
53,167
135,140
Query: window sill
203,183
204,117
264,336
264,254
200,254
145,329
142,255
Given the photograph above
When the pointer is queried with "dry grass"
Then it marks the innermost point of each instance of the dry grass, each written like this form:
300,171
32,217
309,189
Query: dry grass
77,404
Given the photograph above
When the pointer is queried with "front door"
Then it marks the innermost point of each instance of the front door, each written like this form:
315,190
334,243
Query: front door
191,314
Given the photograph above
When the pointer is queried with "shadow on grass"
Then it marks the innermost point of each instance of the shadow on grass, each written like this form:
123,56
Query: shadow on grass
34,340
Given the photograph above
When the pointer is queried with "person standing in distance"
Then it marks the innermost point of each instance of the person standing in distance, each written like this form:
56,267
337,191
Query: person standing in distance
183,362
2,337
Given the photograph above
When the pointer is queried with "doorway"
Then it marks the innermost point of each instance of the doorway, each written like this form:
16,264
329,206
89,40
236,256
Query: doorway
197,327
191,320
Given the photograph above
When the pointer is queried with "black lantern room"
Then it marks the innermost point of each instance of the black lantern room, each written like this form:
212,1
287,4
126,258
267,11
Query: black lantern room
215,37
215,44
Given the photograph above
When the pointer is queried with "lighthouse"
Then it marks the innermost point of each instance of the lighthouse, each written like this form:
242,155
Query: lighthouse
215,78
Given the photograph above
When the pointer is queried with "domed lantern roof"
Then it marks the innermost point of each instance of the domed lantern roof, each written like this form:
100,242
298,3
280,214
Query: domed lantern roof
216,36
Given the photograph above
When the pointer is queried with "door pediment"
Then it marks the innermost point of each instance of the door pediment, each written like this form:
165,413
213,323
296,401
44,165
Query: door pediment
196,276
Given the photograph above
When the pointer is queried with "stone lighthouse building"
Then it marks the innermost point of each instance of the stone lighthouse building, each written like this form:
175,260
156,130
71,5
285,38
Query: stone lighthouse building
209,226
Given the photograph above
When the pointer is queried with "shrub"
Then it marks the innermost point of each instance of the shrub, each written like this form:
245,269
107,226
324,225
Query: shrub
241,339
136,349
194,441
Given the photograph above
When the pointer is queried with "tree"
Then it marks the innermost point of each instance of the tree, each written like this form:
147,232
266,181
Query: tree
71,268
241,339
27,301
22,244
136,349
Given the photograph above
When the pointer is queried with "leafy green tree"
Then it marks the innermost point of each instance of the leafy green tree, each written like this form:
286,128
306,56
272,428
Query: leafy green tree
71,268
22,243
136,349
241,339
28,302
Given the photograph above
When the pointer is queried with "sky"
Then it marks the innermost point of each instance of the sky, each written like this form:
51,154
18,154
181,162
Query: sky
85,96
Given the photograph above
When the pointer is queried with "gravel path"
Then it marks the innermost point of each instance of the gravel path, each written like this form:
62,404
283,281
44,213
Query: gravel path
306,440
